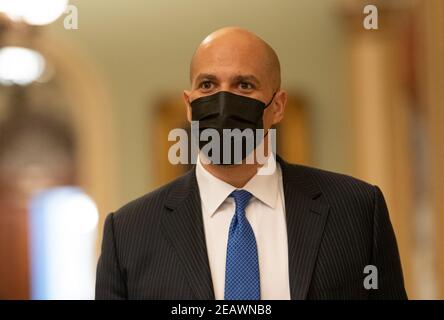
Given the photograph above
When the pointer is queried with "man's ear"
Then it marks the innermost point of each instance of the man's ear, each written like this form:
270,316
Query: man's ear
186,98
280,101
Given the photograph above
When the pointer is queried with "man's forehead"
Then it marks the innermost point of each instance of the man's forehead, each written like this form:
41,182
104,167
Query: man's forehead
234,49
229,62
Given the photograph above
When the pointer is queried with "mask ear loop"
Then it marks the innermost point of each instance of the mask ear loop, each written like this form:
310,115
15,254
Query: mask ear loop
272,97
266,106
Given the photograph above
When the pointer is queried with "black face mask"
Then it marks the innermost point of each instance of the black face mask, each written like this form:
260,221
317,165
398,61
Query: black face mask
226,110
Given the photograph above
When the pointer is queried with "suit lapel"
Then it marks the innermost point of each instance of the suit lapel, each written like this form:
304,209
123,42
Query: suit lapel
306,216
183,225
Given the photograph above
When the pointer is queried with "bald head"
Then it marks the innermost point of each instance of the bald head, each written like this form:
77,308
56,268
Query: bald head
236,50
237,61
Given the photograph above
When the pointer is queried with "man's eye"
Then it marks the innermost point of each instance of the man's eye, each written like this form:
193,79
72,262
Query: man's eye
246,86
206,85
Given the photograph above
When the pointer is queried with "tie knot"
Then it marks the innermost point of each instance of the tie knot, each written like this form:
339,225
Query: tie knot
241,197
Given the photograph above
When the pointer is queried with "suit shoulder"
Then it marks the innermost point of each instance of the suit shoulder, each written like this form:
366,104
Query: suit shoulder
150,203
330,178
338,185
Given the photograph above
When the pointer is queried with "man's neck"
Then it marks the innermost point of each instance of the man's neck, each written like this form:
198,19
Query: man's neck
236,175
239,174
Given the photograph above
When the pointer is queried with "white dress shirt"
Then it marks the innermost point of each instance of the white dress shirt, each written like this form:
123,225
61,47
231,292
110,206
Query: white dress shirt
266,214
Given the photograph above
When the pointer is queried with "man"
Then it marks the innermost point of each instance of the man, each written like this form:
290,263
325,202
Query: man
225,231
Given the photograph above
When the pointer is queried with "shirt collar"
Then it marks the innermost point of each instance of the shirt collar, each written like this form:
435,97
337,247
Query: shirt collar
213,191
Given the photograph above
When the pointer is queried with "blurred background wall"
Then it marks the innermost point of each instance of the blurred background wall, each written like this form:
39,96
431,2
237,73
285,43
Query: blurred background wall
143,49
367,103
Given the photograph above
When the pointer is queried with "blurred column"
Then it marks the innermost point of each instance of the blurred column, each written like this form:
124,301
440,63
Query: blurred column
380,113
432,91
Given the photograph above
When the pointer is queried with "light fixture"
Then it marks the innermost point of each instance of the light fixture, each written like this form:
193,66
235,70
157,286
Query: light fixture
35,12
20,65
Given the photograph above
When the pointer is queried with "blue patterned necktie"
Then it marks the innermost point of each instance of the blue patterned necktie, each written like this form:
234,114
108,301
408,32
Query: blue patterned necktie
242,280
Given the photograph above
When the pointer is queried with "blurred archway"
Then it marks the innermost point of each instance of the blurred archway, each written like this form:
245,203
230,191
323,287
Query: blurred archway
55,130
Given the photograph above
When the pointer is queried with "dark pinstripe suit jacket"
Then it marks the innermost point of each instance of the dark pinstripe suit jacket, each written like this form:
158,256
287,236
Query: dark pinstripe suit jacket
154,247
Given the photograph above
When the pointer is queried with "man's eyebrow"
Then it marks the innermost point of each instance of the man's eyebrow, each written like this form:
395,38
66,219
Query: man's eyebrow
238,78
205,76
247,77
